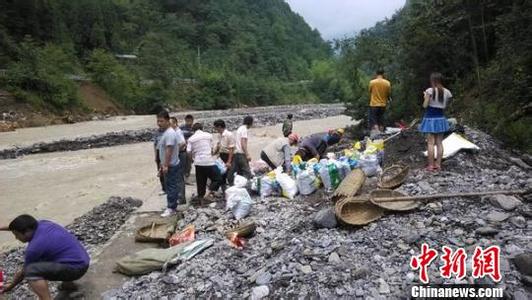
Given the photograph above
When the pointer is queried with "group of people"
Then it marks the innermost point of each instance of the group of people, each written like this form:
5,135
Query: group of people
176,148
436,98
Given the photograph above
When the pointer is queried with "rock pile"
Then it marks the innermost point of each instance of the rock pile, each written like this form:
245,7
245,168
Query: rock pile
93,229
290,257
264,116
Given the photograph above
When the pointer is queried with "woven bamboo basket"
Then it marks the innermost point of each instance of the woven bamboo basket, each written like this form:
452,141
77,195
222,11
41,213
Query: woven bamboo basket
242,230
395,206
393,176
357,211
350,185
154,233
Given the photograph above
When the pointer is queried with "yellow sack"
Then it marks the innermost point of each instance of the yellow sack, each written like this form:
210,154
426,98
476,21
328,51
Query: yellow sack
357,145
297,160
379,144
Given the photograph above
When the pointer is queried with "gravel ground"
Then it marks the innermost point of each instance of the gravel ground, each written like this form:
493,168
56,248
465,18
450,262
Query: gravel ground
93,229
264,116
289,257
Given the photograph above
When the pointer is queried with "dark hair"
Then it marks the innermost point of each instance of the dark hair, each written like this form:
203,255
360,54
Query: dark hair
248,120
197,126
290,116
163,114
174,119
219,123
437,79
23,224
189,117
380,72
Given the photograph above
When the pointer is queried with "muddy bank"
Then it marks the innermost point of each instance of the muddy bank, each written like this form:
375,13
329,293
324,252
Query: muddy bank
93,229
289,257
264,116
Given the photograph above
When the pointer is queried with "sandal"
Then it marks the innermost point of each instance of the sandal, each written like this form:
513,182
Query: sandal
430,168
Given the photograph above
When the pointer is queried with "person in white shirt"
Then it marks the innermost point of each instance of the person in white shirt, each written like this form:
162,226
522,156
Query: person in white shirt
241,158
225,147
199,149
182,162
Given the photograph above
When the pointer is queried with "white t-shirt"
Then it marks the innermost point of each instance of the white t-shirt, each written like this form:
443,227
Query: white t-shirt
200,145
241,133
434,97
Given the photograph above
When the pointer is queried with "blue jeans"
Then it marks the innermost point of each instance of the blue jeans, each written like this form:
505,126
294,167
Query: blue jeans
170,182
181,177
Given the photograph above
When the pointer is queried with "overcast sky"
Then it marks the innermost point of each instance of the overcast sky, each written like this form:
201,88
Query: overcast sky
339,18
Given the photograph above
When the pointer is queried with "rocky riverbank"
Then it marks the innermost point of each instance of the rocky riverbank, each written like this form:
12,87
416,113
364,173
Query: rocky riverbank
264,116
289,257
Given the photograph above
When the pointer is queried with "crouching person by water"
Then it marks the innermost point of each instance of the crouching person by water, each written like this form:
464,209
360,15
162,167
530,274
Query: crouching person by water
434,124
52,254
278,152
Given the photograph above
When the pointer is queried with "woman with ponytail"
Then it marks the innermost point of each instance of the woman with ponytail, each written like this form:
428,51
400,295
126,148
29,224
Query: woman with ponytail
434,124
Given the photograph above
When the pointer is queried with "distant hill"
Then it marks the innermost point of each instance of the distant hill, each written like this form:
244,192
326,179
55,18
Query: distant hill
203,54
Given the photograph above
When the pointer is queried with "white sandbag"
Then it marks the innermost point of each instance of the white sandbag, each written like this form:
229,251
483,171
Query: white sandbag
306,182
240,181
454,143
288,185
221,166
267,186
369,163
238,201
243,208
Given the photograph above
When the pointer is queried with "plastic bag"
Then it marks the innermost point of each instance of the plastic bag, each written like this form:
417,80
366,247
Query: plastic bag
267,186
221,166
255,185
369,164
240,181
243,208
343,168
185,235
306,182
259,167
329,175
288,185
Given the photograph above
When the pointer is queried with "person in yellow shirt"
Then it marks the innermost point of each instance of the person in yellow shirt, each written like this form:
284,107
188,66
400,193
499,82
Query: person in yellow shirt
379,91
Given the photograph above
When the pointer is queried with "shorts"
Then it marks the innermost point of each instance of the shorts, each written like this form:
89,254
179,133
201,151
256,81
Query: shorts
53,271
376,116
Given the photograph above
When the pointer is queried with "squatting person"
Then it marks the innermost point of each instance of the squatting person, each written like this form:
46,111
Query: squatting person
52,254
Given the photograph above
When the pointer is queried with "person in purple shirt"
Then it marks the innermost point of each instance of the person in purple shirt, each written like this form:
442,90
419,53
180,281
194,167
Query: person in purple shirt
52,254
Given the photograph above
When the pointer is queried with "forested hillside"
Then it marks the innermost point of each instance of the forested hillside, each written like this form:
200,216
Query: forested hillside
199,54
483,48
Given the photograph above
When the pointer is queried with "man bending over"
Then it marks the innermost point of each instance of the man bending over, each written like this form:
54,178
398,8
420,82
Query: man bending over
52,254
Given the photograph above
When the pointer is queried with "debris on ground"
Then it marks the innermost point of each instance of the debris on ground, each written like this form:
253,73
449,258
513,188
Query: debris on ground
295,249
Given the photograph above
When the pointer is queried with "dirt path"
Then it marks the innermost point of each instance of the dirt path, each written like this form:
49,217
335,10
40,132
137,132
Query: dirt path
63,186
